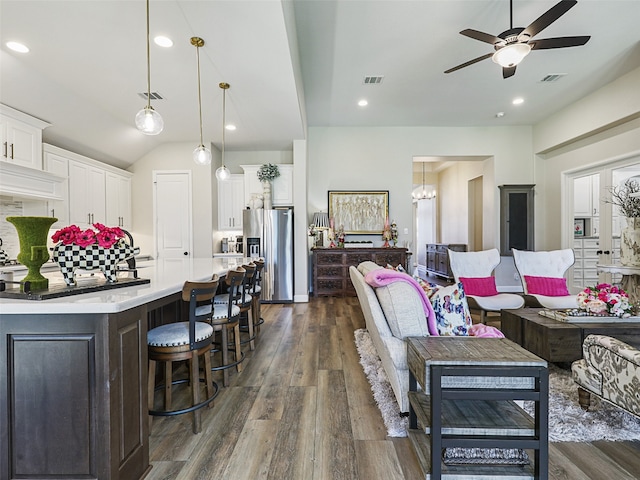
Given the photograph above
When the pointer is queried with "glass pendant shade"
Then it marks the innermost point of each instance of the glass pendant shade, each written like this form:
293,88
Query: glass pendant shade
202,155
223,173
511,55
149,122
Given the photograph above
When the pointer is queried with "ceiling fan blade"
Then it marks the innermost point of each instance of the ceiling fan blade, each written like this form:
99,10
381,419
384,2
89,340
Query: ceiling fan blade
483,37
560,42
548,18
470,62
508,72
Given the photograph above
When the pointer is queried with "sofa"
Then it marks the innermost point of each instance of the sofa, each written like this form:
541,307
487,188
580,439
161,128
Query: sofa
391,313
609,369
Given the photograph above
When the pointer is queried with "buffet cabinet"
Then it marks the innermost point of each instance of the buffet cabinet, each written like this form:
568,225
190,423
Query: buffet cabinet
438,258
331,267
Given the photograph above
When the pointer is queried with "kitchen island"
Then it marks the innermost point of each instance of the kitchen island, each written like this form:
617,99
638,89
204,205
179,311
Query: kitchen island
73,375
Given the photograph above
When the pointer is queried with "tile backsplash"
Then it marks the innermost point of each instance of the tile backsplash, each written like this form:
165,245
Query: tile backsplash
8,233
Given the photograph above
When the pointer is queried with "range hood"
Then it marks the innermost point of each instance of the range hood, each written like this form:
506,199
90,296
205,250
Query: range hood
23,182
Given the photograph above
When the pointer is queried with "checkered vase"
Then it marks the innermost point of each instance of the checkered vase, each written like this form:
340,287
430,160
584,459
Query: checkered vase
72,257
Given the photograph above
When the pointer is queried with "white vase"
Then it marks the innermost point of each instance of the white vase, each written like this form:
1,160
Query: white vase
256,202
630,243
266,193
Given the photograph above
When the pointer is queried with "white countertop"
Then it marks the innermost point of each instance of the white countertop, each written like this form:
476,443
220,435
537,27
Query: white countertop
167,277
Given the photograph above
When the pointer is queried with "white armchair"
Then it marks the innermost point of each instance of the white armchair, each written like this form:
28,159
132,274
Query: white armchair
473,267
542,276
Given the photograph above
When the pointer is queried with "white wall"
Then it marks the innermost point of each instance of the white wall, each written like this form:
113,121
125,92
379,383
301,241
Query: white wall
172,156
376,158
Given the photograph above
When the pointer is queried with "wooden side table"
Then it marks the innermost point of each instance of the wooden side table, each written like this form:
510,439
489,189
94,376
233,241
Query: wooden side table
467,400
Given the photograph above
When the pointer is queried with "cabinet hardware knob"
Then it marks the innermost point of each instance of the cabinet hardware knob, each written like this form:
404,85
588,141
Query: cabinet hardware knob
607,252
599,252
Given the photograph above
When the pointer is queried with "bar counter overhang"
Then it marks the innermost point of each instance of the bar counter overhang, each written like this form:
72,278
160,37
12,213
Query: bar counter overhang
73,375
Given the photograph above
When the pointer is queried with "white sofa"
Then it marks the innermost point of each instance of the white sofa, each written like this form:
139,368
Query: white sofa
391,313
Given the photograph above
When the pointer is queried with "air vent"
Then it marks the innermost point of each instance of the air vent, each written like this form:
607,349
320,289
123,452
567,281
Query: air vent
154,96
552,77
373,80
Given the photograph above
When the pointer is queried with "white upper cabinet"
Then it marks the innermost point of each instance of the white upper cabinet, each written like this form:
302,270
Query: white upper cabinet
281,190
21,138
58,165
86,194
586,196
231,203
118,198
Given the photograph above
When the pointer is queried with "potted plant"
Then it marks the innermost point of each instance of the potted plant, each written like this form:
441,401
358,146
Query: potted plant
266,174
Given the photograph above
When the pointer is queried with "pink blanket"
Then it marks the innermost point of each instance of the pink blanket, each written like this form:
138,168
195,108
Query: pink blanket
485,331
384,276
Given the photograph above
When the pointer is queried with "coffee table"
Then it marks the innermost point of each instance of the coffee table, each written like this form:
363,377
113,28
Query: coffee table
556,341
467,400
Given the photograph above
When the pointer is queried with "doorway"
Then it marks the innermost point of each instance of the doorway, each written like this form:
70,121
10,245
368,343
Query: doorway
475,195
172,215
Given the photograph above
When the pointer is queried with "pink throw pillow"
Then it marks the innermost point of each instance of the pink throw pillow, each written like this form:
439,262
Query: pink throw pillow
479,286
548,286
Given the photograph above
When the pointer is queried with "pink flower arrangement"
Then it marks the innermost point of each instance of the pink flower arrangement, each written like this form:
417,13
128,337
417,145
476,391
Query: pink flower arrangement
605,299
104,236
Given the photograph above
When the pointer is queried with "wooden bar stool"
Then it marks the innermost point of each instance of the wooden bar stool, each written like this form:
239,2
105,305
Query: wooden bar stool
225,318
243,301
184,341
256,294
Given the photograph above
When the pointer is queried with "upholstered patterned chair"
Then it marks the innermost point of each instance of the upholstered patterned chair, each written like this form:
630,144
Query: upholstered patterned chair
542,276
474,270
609,369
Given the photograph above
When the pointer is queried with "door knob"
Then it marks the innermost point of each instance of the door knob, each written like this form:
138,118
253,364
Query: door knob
185,253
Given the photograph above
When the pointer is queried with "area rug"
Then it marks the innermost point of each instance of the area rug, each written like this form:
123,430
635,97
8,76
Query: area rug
567,421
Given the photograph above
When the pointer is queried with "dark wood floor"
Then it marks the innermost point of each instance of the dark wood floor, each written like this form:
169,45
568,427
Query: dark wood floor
302,410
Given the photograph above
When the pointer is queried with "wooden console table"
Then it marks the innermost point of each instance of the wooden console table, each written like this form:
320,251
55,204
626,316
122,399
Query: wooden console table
438,258
462,404
331,266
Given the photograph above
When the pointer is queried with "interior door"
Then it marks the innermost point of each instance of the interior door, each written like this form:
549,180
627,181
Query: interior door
172,214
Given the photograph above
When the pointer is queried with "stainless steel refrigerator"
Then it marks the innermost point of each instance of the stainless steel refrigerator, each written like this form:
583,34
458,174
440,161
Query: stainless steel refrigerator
269,234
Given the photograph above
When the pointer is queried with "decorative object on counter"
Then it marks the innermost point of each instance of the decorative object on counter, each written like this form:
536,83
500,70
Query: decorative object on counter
256,201
625,198
148,121
223,173
361,212
32,234
394,233
340,236
578,227
4,258
606,300
102,249
201,154
386,233
267,173
331,235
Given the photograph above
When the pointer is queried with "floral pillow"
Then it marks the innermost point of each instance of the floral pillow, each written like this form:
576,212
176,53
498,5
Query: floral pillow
429,288
452,311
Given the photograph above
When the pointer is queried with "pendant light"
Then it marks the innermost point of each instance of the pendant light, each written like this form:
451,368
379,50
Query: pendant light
148,121
223,172
201,154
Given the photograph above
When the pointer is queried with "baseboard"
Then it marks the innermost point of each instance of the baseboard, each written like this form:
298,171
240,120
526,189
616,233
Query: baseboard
301,298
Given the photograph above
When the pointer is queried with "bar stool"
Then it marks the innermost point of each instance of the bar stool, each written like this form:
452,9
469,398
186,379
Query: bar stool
184,341
256,294
225,318
243,301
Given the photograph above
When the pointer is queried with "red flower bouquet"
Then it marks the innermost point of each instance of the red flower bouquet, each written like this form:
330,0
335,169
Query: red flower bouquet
104,236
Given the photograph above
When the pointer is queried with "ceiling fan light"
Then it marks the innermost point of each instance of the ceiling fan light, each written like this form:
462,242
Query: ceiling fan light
149,122
202,155
511,55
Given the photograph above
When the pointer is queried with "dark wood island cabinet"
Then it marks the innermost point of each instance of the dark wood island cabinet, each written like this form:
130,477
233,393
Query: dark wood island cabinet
331,266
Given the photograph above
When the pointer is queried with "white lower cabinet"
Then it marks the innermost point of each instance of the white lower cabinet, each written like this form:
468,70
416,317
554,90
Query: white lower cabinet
231,202
585,269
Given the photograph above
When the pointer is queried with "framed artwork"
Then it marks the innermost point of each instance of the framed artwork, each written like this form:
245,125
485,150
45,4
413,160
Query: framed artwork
578,227
359,212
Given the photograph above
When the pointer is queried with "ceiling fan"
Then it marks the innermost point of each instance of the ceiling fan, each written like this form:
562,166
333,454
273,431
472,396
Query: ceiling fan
514,44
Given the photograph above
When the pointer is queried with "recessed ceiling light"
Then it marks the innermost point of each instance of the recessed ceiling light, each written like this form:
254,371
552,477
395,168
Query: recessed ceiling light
518,101
230,127
17,47
363,103
163,41
499,114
